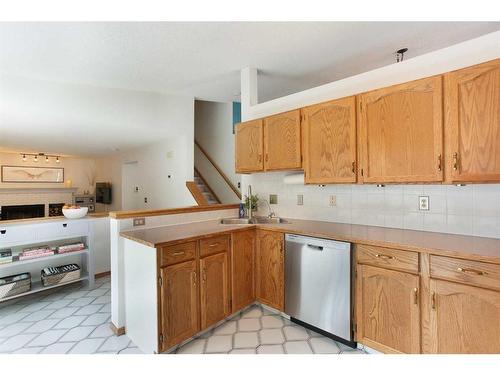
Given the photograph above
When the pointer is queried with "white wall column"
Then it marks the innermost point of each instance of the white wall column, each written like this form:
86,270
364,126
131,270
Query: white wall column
249,91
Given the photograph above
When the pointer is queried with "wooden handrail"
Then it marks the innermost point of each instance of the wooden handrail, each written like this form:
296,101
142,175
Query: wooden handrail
223,175
196,193
207,185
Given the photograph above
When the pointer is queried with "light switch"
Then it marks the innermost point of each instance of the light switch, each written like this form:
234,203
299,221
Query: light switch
139,221
333,200
300,199
423,203
273,198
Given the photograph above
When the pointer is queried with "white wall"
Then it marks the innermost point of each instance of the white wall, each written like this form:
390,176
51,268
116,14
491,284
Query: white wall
471,210
214,132
81,171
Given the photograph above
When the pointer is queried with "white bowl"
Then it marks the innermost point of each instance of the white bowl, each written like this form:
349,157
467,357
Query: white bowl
75,213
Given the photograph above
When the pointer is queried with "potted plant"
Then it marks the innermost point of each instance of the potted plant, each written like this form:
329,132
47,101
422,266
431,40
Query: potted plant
253,200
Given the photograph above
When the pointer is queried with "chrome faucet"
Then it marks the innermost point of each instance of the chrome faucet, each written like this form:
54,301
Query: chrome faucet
270,212
249,196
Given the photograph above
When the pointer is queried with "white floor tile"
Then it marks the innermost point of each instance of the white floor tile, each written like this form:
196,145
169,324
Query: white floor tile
95,319
295,333
13,318
252,312
34,350
70,322
246,340
87,346
58,348
271,321
242,351
76,295
58,304
77,334
193,347
42,326
47,338
270,349
90,309
102,331
115,343
324,345
227,328
219,344
97,292
16,342
251,324
64,312
297,347
38,315
105,309
34,307
14,329
102,300
84,301
271,336
131,351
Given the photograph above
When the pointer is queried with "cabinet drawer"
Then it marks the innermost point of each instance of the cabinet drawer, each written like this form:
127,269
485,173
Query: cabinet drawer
178,253
387,258
214,245
466,271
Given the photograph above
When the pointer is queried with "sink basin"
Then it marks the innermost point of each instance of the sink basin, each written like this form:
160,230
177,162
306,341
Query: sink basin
254,220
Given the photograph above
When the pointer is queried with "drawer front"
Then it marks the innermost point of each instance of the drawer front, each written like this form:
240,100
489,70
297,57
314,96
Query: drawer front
466,271
178,253
214,245
387,258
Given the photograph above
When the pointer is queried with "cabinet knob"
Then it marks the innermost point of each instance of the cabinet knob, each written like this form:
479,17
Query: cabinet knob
3,231
439,163
65,225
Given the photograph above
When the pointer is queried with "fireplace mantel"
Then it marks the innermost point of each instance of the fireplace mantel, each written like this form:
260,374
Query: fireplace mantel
34,190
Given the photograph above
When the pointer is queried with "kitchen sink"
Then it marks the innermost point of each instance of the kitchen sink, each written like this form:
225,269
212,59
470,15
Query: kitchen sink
254,220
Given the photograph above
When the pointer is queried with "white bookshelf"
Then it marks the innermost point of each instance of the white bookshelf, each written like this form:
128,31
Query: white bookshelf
23,235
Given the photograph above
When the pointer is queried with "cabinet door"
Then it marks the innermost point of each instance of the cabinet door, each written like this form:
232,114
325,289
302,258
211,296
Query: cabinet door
282,141
249,147
270,269
464,319
242,269
214,289
472,110
179,303
388,311
401,132
329,134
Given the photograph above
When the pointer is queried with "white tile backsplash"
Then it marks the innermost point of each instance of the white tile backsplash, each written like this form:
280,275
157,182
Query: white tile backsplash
469,210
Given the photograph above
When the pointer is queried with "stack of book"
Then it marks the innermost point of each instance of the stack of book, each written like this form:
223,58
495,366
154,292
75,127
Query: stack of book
68,248
36,252
5,256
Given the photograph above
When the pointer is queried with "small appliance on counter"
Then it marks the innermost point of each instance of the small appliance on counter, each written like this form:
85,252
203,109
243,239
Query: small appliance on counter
85,200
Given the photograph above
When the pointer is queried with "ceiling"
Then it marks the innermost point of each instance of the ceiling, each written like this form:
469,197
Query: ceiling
204,59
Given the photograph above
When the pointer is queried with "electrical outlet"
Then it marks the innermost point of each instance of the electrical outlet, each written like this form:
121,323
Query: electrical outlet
139,221
423,203
300,199
145,199
273,198
333,200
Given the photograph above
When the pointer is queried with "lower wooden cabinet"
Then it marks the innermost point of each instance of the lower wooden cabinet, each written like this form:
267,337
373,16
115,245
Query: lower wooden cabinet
463,318
270,280
214,294
242,269
388,310
179,303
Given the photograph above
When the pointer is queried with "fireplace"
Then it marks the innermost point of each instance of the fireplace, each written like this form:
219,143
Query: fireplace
22,211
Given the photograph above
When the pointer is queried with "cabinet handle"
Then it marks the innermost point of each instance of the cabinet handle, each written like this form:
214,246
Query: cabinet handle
267,157
383,256
260,158
204,275
471,270
195,277
415,296
433,300
353,167
3,231
213,244
439,163
455,161
178,253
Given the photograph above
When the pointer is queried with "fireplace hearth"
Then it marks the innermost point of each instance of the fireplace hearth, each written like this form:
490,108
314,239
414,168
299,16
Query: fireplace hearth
26,211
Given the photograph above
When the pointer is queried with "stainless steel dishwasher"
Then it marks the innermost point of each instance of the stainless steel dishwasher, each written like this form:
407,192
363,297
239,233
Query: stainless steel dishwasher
318,285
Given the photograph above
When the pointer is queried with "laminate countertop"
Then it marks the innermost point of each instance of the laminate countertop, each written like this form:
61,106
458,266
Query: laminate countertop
469,247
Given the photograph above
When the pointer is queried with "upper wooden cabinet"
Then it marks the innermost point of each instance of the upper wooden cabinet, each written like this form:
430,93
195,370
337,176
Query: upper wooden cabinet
270,262
179,303
282,147
401,132
464,319
329,142
472,119
242,269
249,147
388,310
214,291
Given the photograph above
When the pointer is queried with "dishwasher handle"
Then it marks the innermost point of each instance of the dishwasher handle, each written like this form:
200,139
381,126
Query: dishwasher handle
315,247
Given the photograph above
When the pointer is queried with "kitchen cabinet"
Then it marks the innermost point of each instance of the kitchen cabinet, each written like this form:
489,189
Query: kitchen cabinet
242,269
388,310
329,142
214,295
282,141
249,147
270,269
472,120
464,318
401,133
179,303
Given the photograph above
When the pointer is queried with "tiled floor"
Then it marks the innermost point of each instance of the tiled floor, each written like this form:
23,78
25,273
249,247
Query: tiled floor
261,331
75,320
70,319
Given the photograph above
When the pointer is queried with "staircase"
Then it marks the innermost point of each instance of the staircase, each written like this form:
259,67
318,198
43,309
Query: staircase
209,195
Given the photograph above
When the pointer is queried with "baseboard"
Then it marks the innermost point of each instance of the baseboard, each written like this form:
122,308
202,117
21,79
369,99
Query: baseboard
117,331
102,274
